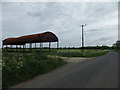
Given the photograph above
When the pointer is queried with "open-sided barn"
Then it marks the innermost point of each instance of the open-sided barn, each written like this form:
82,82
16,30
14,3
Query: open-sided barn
34,38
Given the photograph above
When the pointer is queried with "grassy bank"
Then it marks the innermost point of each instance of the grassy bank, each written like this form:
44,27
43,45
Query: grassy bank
18,67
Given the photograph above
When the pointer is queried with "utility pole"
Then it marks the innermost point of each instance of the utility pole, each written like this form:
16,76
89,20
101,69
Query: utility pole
83,35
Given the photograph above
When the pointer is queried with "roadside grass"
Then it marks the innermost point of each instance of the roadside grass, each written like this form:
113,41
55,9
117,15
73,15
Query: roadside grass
18,67
117,51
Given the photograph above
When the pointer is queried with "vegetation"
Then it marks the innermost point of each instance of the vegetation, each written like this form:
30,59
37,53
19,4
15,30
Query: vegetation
89,47
78,52
18,67
83,53
116,46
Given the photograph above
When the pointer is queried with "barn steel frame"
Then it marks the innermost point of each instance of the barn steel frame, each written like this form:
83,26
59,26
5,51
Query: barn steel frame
30,39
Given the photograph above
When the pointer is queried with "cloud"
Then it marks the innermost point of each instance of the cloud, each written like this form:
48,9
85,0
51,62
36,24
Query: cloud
64,19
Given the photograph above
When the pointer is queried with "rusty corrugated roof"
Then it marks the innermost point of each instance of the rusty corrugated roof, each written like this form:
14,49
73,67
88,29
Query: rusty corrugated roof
34,38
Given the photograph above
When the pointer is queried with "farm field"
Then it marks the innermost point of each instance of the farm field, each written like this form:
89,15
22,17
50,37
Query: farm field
65,52
80,53
18,66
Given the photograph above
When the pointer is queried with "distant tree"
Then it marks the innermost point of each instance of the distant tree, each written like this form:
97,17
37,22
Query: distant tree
116,45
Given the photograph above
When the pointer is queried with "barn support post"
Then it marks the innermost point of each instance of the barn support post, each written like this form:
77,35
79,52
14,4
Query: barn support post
25,47
5,47
22,48
35,46
2,46
19,48
57,45
30,46
8,47
41,45
16,48
11,47
49,45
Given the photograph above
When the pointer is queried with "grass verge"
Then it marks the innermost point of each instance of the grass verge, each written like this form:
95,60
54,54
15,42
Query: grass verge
117,51
18,67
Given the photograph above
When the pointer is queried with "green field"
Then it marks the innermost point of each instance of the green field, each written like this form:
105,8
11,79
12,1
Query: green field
66,52
18,66
78,53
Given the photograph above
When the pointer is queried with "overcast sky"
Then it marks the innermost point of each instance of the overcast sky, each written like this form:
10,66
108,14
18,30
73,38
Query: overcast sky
63,19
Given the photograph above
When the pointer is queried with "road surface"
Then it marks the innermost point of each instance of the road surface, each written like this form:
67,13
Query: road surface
100,72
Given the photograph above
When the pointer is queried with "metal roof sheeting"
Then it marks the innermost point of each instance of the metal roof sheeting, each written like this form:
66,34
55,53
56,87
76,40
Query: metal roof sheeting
34,38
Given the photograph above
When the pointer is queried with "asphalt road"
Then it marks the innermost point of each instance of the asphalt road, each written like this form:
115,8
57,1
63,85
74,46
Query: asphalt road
100,72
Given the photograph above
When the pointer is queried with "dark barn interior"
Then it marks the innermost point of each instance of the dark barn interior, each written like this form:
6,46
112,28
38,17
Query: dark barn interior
46,37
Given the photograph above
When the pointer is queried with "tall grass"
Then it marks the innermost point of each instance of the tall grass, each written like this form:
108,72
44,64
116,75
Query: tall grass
18,67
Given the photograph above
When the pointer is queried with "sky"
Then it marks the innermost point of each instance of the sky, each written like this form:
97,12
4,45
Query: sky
63,19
